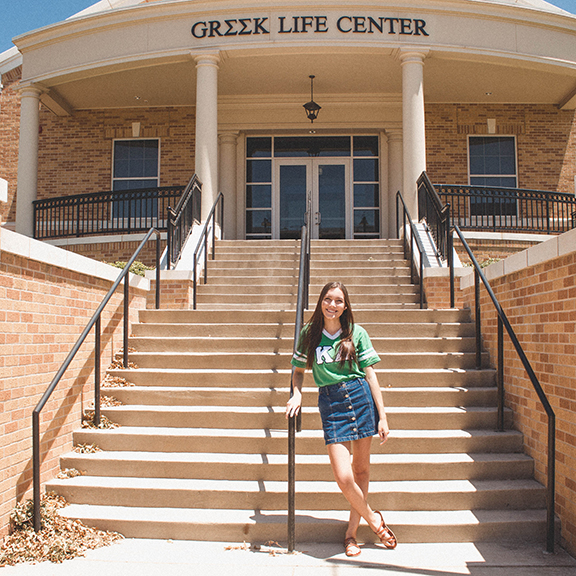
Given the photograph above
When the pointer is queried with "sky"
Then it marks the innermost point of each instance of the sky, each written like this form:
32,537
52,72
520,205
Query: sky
19,16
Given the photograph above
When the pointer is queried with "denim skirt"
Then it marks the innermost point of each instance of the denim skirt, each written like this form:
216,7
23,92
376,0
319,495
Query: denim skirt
348,411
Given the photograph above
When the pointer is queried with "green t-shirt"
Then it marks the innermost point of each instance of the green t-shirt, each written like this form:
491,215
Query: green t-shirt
326,368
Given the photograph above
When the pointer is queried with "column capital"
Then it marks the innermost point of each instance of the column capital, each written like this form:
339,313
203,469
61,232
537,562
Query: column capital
207,60
394,135
31,91
230,137
412,55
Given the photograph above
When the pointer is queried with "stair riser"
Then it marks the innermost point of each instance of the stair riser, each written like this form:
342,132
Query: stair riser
142,377
279,317
123,440
283,300
271,397
282,361
215,345
351,281
310,421
246,331
270,501
237,289
483,470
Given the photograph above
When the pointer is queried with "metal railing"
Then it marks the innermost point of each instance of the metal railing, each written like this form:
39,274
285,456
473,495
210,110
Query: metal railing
95,322
504,323
508,209
409,244
182,219
295,422
202,246
113,212
436,213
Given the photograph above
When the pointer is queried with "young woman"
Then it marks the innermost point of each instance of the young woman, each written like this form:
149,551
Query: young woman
341,357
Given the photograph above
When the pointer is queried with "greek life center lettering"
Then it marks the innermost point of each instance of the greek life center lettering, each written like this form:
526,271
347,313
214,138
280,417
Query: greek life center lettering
309,25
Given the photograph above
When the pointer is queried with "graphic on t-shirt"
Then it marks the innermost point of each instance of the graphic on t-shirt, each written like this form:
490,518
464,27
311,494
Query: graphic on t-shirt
323,354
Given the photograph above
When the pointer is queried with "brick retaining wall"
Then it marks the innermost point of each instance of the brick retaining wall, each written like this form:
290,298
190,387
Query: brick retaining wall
43,309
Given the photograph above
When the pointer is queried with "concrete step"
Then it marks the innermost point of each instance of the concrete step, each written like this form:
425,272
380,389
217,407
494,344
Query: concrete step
274,441
281,330
401,377
268,495
315,467
285,317
224,291
223,344
169,395
313,526
273,417
280,360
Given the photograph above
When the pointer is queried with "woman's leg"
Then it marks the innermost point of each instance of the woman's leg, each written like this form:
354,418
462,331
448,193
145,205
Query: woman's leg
345,475
361,471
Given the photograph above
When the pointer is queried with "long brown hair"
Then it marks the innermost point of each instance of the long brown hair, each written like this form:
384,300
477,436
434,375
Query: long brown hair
312,333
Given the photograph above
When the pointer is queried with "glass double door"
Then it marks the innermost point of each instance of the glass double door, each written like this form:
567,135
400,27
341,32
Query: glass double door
321,183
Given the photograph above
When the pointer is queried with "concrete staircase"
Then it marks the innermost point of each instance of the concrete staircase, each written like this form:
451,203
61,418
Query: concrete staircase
201,451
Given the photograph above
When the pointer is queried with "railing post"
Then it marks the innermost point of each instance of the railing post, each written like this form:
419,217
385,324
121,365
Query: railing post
500,375
451,266
477,319
158,250
291,481
97,350
36,469
551,489
168,237
126,319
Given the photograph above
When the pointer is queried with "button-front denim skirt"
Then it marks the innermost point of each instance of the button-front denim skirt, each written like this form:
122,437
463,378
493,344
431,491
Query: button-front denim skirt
348,411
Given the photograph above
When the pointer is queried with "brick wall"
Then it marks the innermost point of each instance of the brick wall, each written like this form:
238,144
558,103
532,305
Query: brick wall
75,152
540,302
9,136
43,310
545,139
122,251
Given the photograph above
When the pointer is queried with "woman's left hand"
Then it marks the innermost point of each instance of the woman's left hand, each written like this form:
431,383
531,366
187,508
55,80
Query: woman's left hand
383,430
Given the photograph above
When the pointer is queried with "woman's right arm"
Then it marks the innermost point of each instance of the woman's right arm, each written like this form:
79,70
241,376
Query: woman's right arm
295,402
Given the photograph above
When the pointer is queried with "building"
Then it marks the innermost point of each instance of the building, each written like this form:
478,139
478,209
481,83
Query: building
138,94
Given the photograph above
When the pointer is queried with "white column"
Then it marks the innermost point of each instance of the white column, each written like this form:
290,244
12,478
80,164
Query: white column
228,182
206,157
395,176
27,159
413,123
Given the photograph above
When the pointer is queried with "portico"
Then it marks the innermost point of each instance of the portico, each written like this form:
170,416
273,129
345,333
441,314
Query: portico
243,71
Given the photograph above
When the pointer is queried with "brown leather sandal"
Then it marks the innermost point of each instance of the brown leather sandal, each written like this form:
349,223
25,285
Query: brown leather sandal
351,547
387,537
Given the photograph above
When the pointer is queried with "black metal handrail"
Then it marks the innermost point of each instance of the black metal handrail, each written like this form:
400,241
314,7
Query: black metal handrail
99,213
414,236
509,209
96,323
182,219
503,322
202,245
436,213
295,422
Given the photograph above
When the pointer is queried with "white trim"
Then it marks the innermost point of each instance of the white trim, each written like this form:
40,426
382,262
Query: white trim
104,239
26,247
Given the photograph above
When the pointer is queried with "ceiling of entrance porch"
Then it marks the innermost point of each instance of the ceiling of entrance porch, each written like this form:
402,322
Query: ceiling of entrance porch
347,74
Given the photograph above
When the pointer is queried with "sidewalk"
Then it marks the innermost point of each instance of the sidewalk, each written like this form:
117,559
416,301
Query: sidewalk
166,557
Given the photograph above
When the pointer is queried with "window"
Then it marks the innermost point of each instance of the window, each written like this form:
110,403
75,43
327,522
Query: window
492,161
135,166
366,187
259,188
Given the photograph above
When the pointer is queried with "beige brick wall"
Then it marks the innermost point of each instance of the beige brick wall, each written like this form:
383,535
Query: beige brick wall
540,303
75,154
9,135
43,310
545,139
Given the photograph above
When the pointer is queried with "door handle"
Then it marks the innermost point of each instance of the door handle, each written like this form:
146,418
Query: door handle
317,218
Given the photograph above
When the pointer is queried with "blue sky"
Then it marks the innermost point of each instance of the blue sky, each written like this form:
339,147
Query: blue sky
19,16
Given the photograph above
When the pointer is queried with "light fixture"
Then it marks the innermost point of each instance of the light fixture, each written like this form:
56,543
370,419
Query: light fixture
312,109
